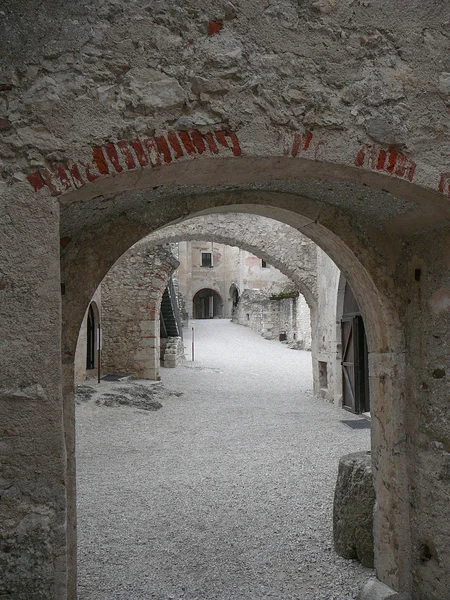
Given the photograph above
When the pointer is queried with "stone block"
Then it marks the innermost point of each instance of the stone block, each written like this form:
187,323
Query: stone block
354,501
376,590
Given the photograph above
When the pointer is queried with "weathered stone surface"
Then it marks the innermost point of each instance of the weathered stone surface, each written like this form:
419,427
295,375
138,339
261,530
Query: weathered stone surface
125,393
131,299
354,501
376,590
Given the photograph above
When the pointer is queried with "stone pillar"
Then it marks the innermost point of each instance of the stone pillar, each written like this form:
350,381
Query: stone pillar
131,300
428,415
33,558
390,460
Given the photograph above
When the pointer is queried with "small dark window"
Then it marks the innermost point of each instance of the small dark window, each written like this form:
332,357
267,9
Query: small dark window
206,259
263,264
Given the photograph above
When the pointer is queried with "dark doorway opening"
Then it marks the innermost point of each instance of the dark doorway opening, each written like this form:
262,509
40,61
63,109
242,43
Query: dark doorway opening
91,328
207,304
234,294
355,371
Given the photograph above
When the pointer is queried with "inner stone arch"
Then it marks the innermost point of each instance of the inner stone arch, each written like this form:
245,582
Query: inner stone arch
208,304
339,236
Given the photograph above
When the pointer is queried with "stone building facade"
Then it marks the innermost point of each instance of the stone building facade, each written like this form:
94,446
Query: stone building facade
331,117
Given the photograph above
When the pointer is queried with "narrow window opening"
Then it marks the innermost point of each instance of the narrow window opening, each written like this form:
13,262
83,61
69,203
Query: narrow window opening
207,259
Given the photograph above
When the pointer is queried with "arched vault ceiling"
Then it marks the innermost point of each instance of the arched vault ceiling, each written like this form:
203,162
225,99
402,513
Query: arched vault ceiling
367,207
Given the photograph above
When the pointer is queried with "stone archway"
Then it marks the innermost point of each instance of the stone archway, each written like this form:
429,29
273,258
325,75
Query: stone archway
337,234
207,304
375,302
355,158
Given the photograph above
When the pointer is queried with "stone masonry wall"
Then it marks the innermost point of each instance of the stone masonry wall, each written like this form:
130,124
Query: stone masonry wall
274,317
131,297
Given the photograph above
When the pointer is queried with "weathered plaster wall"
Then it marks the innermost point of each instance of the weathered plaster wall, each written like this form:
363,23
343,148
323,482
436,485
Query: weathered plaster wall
327,333
192,277
253,275
231,265
131,300
284,248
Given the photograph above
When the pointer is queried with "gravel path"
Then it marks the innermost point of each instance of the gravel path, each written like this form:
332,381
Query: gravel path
226,492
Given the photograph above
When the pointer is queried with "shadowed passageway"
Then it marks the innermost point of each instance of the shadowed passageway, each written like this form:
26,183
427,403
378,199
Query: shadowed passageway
224,493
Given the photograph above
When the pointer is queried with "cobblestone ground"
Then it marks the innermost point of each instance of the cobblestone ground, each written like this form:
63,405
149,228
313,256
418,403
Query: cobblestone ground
226,492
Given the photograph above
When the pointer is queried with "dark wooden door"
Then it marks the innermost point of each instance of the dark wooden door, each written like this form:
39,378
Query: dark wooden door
90,354
354,365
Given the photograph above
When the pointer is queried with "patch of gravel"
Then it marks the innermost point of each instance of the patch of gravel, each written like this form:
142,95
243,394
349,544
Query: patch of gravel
144,396
225,496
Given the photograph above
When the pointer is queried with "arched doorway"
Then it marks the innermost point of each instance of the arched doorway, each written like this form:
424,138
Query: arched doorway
334,236
91,338
234,295
207,304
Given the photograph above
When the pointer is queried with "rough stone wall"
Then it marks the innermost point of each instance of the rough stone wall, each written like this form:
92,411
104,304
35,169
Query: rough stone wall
198,64
131,298
172,352
274,317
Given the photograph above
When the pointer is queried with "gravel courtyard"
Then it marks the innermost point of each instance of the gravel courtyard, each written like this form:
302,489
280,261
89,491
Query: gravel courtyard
226,491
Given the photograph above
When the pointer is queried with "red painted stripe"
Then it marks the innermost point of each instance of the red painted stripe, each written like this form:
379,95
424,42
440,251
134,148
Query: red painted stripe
307,140
163,146
442,182
401,166
36,180
411,171
187,142
153,152
76,175
220,137
140,152
175,143
99,159
126,153
359,160
392,160
296,144
47,177
235,148
113,157
381,160
211,142
63,177
198,141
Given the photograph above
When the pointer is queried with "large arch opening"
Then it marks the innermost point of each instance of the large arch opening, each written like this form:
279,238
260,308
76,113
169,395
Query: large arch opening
364,240
207,304
336,231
